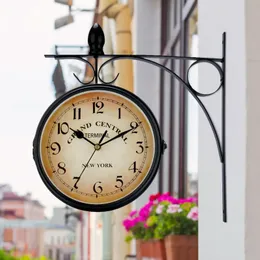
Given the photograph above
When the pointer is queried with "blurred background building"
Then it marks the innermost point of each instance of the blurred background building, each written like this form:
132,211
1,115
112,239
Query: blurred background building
16,207
59,237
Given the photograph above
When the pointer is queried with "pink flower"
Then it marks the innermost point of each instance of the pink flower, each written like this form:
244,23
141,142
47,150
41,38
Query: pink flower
133,213
159,209
173,208
167,193
128,224
193,214
191,200
145,211
166,197
154,196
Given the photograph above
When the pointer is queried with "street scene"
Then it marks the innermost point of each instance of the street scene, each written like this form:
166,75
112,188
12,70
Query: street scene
129,130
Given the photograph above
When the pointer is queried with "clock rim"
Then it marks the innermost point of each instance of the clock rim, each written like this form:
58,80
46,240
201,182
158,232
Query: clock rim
131,196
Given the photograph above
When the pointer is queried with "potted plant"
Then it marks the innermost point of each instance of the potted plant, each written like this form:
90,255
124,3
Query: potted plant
176,221
165,228
147,245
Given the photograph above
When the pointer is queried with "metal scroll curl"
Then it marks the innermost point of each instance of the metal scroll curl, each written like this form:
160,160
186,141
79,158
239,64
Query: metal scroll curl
214,64
99,72
64,57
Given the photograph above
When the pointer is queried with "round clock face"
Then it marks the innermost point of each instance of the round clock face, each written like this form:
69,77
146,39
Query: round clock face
97,147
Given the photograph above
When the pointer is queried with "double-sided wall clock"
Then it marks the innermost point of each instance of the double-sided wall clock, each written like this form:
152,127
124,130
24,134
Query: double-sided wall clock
98,147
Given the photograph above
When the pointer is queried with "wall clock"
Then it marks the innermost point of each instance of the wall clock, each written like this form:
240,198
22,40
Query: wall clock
98,147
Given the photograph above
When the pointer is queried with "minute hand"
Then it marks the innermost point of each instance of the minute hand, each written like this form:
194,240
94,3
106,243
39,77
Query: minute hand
121,134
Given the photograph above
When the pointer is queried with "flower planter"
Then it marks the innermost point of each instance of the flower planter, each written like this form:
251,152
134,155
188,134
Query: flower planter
150,250
181,247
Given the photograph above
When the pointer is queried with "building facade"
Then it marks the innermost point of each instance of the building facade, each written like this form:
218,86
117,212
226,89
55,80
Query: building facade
195,28
60,236
23,240
59,242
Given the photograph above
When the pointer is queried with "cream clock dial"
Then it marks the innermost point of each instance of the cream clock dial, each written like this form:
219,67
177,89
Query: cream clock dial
98,147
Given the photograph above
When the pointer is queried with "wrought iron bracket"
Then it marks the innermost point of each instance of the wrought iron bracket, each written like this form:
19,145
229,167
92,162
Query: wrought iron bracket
96,41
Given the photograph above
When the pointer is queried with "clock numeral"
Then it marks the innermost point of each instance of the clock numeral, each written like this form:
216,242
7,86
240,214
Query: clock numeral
99,105
55,146
61,168
75,185
133,168
118,179
141,147
119,113
97,189
134,125
76,113
63,128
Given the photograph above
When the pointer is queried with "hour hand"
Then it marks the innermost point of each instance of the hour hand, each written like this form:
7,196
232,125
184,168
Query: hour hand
80,135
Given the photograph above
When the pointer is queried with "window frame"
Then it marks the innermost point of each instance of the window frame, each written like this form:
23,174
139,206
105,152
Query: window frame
179,35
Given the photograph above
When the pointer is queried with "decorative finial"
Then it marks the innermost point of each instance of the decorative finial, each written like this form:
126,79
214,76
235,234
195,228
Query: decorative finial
96,40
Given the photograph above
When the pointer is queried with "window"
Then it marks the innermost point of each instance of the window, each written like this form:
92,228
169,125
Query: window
58,254
176,38
50,253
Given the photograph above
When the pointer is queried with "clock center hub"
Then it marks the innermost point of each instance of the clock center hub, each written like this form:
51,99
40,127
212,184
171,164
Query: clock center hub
97,147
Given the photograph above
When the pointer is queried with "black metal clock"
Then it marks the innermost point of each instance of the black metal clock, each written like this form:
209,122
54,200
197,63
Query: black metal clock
98,147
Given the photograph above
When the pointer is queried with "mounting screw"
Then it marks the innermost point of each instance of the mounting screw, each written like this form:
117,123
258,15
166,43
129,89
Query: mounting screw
164,146
96,40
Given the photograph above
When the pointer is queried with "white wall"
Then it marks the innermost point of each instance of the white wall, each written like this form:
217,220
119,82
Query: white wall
96,237
146,28
220,240
85,234
252,211
77,242
82,228
146,40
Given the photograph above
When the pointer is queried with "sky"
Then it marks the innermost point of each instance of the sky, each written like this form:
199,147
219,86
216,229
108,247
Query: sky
26,34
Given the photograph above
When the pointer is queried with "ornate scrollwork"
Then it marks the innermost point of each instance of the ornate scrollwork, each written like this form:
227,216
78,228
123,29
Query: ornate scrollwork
99,72
219,69
77,57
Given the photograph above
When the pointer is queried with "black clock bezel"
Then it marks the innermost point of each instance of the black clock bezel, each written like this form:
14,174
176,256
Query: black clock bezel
131,196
